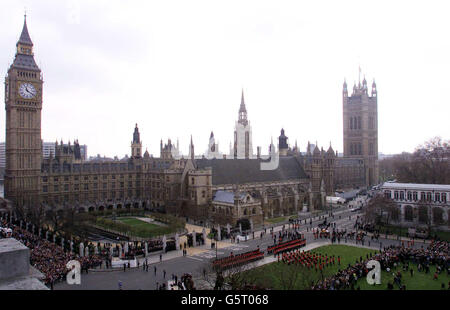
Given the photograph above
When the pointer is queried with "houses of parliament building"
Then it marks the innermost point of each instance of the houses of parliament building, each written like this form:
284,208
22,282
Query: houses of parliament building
219,188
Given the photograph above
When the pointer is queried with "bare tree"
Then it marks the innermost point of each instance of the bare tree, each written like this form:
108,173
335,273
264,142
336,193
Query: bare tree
380,210
428,164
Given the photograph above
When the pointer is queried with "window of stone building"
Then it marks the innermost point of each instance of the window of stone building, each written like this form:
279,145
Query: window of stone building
113,185
387,194
437,197
76,178
105,177
193,181
66,178
130,193
95,185
66,187
359,122
44,179
105,195
105,185
55,179
422,196
95,178
86,177
121,176
415,196
45,188
77,187
121,184
444,199
203,194
55,188
245,211
351,123
130,184
56,199
428,196
66,197
396,195
86,187
402,195
409,195
113,176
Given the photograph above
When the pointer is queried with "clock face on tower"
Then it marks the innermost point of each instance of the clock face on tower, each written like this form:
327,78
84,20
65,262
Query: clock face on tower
27,90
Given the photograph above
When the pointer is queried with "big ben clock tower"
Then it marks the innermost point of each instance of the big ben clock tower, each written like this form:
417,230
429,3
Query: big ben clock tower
23,105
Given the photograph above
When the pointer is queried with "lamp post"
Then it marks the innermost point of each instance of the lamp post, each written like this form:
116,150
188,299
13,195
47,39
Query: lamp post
216,239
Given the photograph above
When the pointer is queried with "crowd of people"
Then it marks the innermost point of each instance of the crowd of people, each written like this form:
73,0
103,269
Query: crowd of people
48,257
436,254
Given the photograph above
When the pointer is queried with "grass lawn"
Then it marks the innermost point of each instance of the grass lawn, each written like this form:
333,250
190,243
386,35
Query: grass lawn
443,235
137,223
276,220
136,227
281,276
419,280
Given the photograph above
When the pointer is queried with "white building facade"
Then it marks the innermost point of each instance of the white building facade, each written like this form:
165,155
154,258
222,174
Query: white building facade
421,204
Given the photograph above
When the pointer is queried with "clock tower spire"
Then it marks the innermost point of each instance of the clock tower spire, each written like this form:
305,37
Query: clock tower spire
23,105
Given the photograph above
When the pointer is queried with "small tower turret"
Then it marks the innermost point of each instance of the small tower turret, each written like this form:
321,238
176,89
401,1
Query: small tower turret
136,144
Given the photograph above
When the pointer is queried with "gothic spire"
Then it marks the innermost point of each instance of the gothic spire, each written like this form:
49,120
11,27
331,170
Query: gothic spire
242,107
25,36
243,111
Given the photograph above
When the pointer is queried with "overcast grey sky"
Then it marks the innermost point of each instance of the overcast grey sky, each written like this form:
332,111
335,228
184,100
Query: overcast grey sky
177,68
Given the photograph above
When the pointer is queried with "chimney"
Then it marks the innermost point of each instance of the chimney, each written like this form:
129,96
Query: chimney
258,152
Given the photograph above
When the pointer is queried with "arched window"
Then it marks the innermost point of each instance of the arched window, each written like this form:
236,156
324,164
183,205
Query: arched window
409,213
409,195
444,197
245,211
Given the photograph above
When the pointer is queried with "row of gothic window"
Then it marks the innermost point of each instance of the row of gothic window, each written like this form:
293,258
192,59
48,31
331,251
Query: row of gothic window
27,74
355,149
356,122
